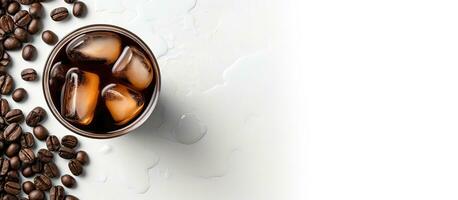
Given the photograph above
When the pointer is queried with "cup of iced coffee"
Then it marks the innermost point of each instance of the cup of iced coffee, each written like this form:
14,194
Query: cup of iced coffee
101,81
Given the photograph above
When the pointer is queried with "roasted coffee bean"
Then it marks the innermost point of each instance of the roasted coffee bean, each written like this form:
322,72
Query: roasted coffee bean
75,167
27,172
52,142
12,43
27,140
9,197
12,132
4,166
36,9
3,123
3,35
12,188
4,60
57,193
21,34
59,14
28,187
15,163
68,181
37,195
28,52
35,117
40,132
66,153
4,107
13,7
42,182
29,74
49,37
70,197
26,2
34,26
27,156
37,167
45,155
12,175
19,94
79,8
4,3
82,157
7,23
6,83
12,150
14,116
22,18
70,1
70,141
50,170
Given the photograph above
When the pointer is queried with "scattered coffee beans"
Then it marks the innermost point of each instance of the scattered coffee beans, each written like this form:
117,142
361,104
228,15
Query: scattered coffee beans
6,83
42,182
28,52
29,74
36,9
79,8
49,37
19,94
28,187
40,132
36,195
57,193
14,116
45,155
69,141
75,167
70,197
22,18
53,143
66,153
50,170
59,14
34,26
21,34
82,157
13,7
35,116
68,181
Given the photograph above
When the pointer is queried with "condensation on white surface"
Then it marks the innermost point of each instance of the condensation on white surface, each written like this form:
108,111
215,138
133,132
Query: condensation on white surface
218,64
189,129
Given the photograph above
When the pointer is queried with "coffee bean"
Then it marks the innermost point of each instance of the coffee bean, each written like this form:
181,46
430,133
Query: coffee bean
29,74
70,141
57,193
28,52
37,195
12,175
28,187
6,83
45,155
21,34
26,2
34,26
19,94
14,116
3,123
12,43
37,167
13,150
49,37
42,182
35,116
15,163
27,156
79,8
27,140
7,23
82,157
70,1
13,7
75,167
4,60
4,3
9,197
12,132
59,14
68,181
12,188
70,197
52,142
27,172
4,166
40,132
4,107
36,9
66,153
22,18
50,170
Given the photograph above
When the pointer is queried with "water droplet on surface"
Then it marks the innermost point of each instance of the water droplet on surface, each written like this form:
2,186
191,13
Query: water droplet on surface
189,129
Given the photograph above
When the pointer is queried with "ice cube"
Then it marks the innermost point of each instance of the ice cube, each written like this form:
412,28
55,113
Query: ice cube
134,67
96,46
57,75
79,96
122,102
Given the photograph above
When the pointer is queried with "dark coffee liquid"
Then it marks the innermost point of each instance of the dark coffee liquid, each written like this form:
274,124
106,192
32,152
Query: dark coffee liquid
103,121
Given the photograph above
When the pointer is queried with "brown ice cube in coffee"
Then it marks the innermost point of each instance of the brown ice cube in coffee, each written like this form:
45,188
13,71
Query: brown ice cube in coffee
57,74
134,67
122,102
79,96
102,47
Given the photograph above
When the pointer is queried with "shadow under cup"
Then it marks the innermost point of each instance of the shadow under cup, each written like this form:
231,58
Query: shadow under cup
149,104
